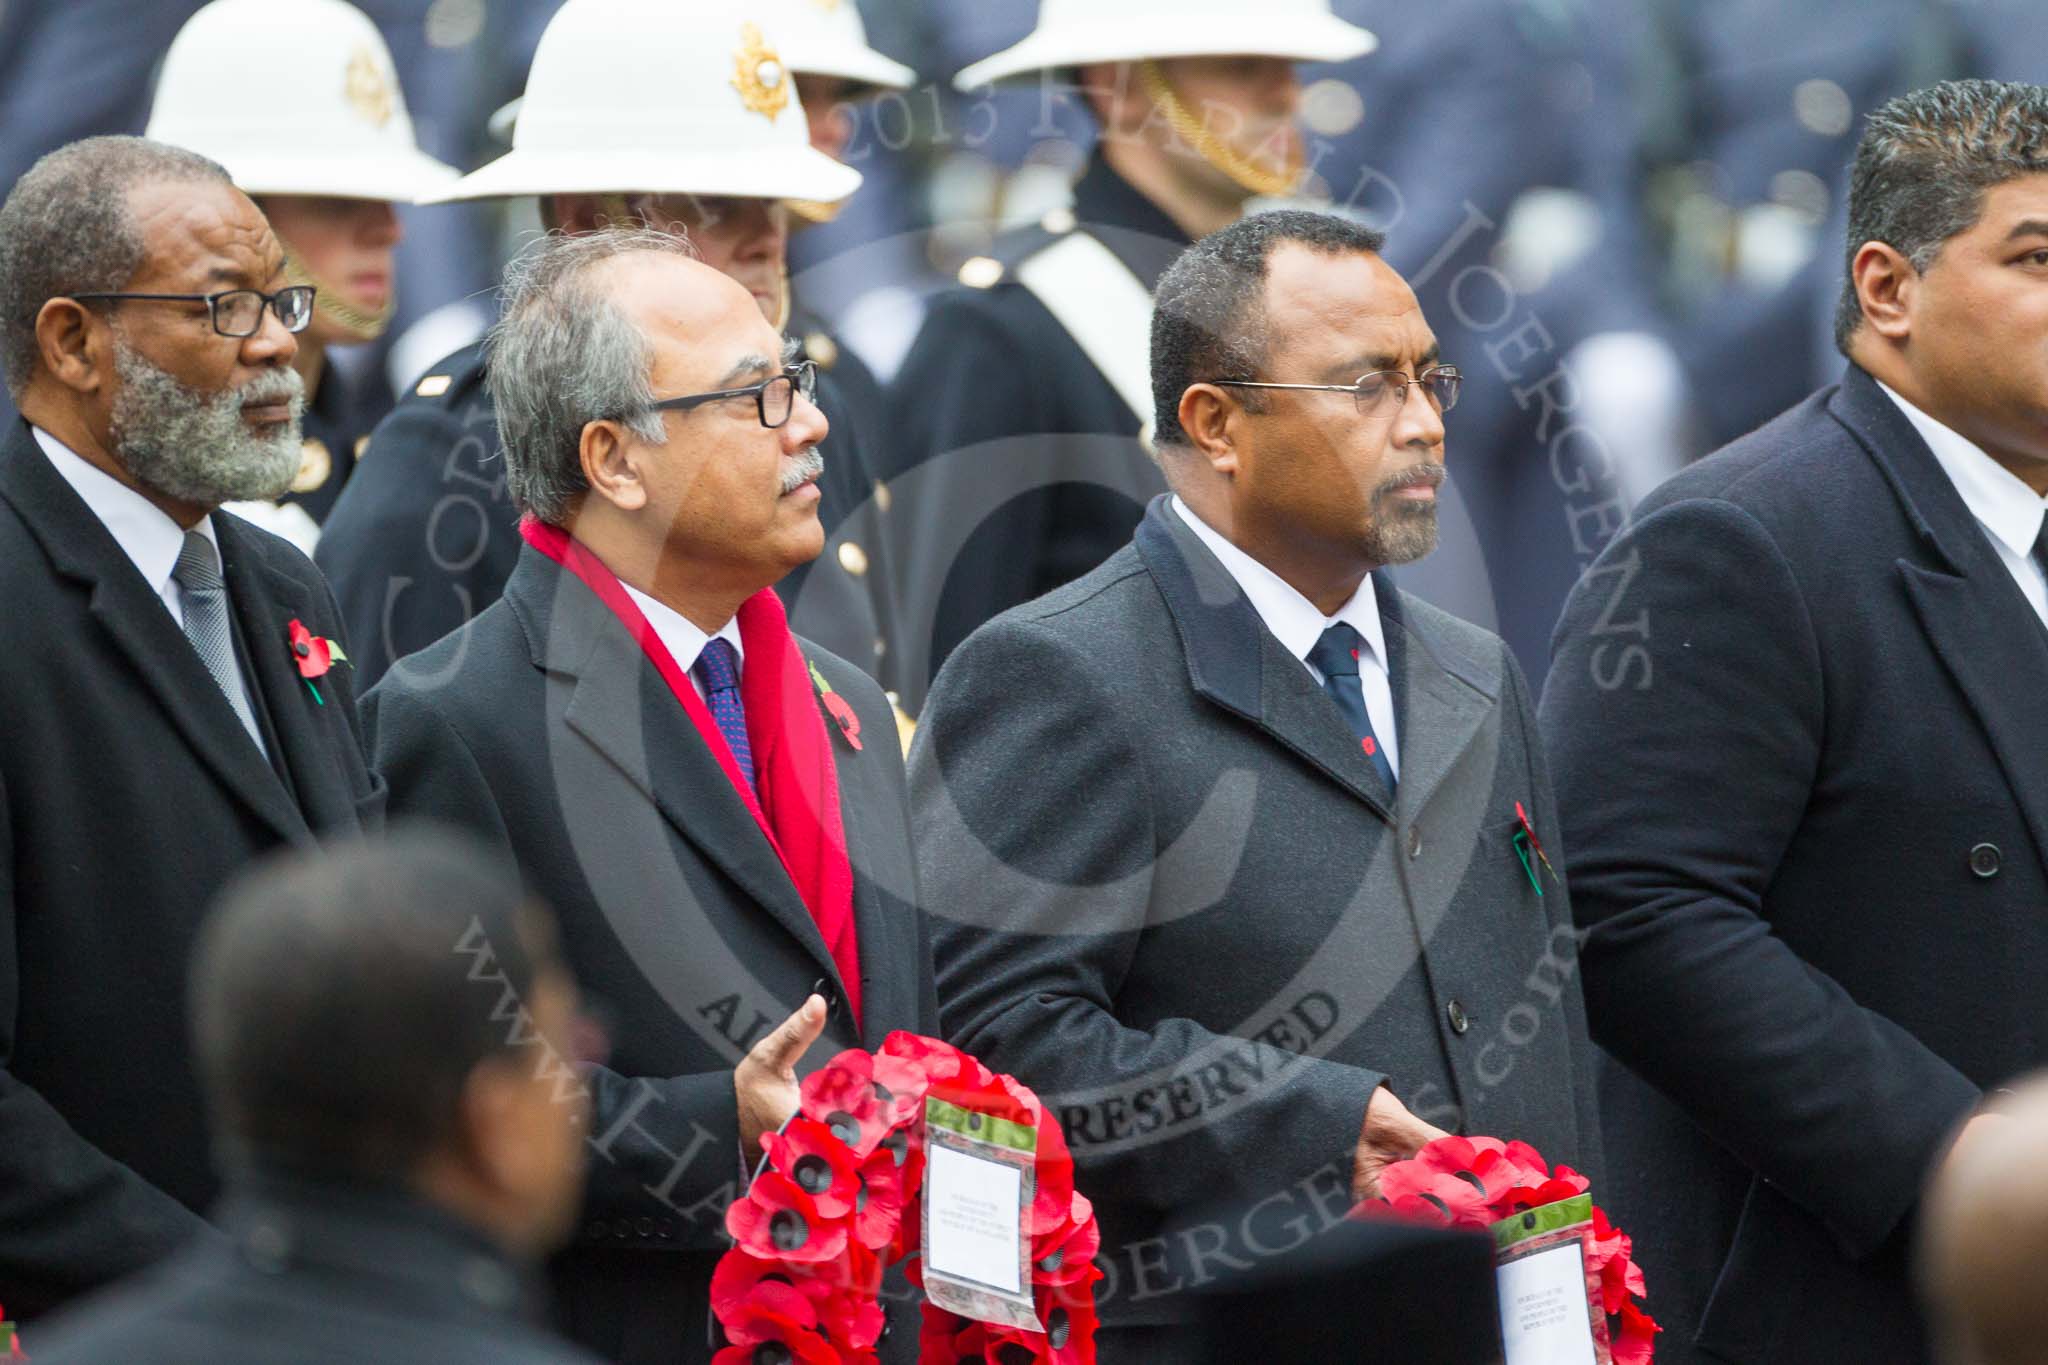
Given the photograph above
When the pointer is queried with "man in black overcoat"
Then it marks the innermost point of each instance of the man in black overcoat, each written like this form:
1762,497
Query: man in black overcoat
1796,719
162,724
606,722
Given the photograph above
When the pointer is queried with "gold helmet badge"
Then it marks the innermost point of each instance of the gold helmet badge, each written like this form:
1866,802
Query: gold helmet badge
761,78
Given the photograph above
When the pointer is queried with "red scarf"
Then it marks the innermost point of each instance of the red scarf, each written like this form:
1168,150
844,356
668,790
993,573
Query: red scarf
798,805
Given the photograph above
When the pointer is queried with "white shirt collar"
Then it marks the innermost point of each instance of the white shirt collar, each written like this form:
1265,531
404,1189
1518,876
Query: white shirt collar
145,533
1295,621
1997,497
684,641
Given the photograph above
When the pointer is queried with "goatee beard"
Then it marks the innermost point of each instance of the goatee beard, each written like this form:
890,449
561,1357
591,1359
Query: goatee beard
1403,531
196,447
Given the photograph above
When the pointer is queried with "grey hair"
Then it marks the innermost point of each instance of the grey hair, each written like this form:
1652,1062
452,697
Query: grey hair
67,228
1924,164
564,355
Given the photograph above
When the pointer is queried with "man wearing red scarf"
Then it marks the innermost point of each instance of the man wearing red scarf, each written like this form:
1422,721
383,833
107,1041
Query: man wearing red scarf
716,806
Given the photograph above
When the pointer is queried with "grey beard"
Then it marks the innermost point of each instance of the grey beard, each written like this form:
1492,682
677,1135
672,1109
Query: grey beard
196,447
1403,534
805,465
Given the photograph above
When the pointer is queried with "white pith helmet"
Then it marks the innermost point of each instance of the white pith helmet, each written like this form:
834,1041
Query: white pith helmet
827,38
293,97
660,96
1078,32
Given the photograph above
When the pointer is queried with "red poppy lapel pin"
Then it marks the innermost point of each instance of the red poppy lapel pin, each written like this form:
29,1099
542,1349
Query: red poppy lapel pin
1526,843
837,707
314,654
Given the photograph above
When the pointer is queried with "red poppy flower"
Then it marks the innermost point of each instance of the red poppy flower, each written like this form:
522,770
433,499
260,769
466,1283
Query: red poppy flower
1636,1341
879,1211
822,1166
1053,1196
766,1330
1488,1161
1068,1312
1567,1184
735,1277
1608,1250
945,1336
939,1061
313,654
843,717
900,1086
841,1095
778,1221
1067,1253
771,1307
1415,1187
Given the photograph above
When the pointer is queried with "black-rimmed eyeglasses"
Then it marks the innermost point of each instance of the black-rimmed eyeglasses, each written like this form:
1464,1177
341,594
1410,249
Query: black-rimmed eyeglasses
774,397
235,312
1381,391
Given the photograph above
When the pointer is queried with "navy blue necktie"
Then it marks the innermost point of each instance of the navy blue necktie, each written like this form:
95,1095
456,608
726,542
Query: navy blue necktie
718,668
1335,656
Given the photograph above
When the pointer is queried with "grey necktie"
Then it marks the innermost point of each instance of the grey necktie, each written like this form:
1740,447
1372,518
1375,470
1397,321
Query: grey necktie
206,623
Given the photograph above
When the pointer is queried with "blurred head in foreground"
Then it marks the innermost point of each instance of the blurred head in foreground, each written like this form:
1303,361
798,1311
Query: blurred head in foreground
396,1013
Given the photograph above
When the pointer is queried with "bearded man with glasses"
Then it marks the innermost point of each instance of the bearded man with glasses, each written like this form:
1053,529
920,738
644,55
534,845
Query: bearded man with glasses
1233,847
714,804
175,694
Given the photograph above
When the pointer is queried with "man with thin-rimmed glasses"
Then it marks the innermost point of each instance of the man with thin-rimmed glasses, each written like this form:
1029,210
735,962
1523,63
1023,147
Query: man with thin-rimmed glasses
713,803
175,692
1232,847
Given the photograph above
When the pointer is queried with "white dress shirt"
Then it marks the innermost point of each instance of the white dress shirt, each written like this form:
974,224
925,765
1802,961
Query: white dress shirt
2011,513
1298,623
144,531
684,641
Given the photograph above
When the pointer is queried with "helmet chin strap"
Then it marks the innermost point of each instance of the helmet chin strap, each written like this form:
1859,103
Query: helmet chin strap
329,304
1247,174
815,211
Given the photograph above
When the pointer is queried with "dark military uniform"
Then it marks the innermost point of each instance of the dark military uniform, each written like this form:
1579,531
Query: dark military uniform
318,1273
425,535
995,363
336,427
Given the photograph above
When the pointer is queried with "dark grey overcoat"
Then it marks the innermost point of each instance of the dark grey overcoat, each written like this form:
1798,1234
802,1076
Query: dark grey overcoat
1170,893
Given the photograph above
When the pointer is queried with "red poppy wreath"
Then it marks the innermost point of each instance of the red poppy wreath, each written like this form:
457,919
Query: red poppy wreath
1507,1189
837,1201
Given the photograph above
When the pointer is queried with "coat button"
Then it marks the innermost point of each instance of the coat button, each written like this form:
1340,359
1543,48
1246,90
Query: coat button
598,1230
1456,1013
1415,843
1984,860
645,1227
822,987
665,1229
852,558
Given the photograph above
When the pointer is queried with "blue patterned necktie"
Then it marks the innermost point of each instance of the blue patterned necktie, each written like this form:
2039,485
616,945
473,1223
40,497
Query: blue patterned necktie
718,668
1335,656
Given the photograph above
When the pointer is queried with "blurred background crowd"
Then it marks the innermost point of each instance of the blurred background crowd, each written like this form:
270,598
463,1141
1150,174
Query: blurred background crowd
1655,185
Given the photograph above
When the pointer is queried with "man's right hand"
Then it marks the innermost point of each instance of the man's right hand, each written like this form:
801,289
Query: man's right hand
765,1079
1389,1134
